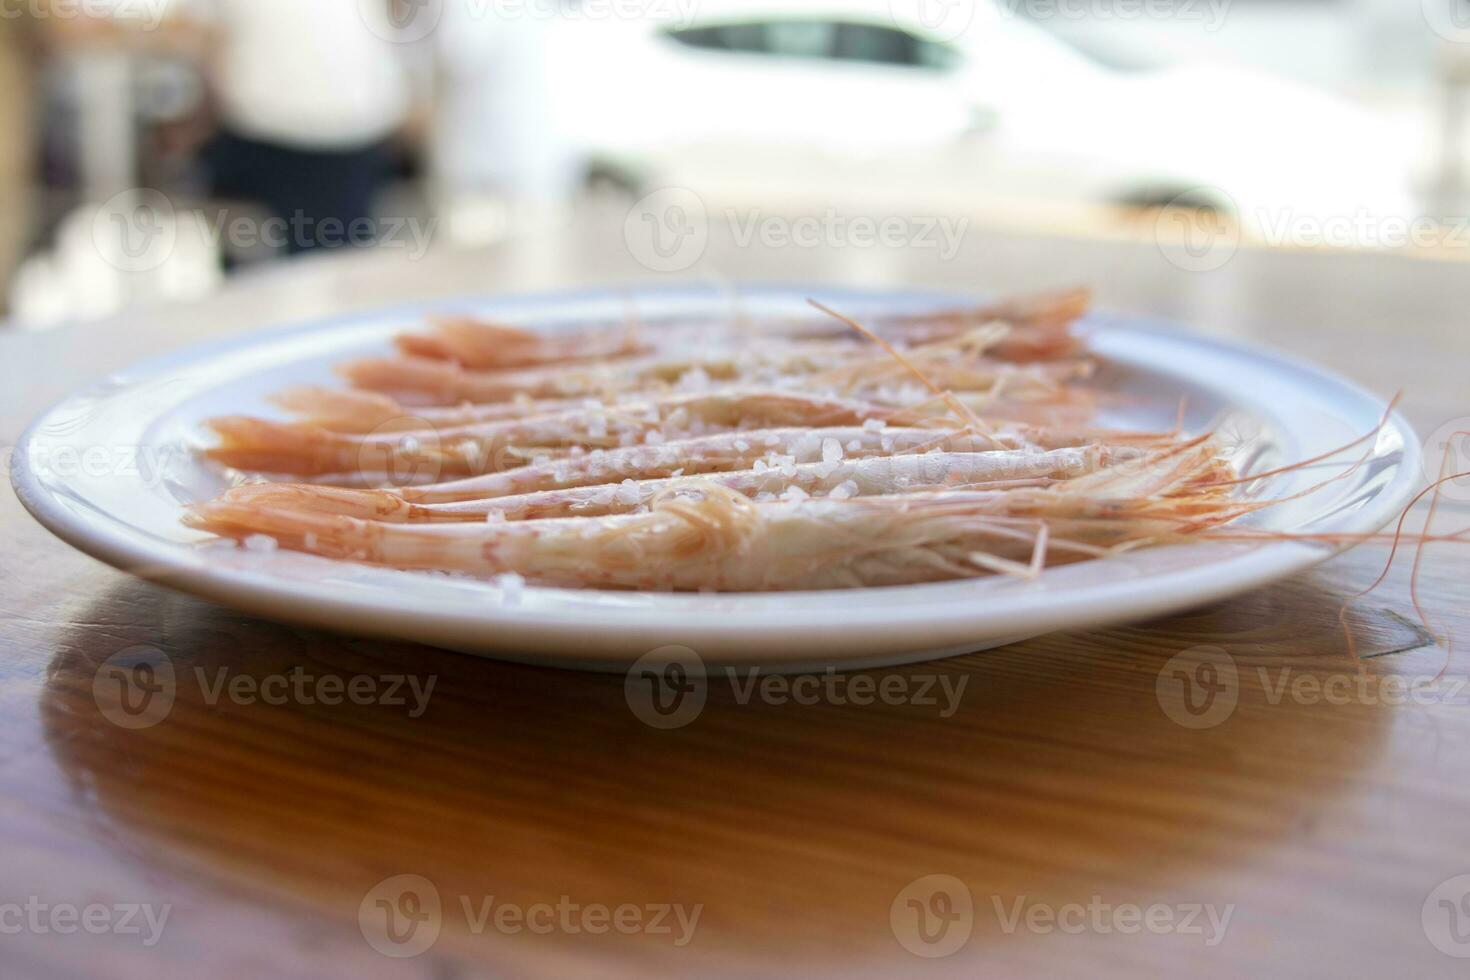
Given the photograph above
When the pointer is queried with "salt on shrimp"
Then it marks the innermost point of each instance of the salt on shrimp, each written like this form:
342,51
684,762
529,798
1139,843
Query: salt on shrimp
360,412
704,536
842,478
334,409
304,450
722,453
426,381
981,374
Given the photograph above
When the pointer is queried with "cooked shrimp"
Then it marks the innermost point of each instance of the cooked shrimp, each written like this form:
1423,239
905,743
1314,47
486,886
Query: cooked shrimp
427,381
703,536
361,412
332,409
274,447
721,453
873,476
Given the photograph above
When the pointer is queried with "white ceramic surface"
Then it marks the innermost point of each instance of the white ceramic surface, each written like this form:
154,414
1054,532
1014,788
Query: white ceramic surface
109,469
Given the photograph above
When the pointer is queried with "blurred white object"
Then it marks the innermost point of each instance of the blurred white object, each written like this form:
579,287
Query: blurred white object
499,142
135,248
900,97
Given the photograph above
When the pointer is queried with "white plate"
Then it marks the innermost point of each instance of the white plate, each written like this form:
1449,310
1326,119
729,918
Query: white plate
109,470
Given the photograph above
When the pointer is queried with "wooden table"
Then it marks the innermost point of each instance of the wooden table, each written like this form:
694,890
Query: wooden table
1094,834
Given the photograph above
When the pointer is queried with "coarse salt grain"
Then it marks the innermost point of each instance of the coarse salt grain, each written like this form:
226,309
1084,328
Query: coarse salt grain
831,450
695,379
844,490
512,586
794,494
875,425
260,542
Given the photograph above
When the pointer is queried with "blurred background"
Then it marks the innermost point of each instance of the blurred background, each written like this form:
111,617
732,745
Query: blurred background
152,149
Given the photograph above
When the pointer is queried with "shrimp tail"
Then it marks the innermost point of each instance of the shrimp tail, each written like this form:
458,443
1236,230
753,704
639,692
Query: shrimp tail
336,536
329,535
279,447
368,505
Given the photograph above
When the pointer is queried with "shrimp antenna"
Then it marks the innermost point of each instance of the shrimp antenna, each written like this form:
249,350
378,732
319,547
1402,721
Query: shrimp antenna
1370,434
958,407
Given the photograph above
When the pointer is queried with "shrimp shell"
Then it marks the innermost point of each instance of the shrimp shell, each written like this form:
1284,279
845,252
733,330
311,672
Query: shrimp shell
428,381
874,476
702,536
305,450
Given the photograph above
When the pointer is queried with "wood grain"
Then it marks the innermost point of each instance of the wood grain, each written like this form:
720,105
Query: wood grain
1060,779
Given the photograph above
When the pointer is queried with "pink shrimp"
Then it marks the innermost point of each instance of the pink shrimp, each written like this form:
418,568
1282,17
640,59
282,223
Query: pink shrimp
703,536
426,381
871,476
274,447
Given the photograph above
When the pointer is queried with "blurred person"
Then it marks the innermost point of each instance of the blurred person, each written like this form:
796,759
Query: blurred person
498,143
308,98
